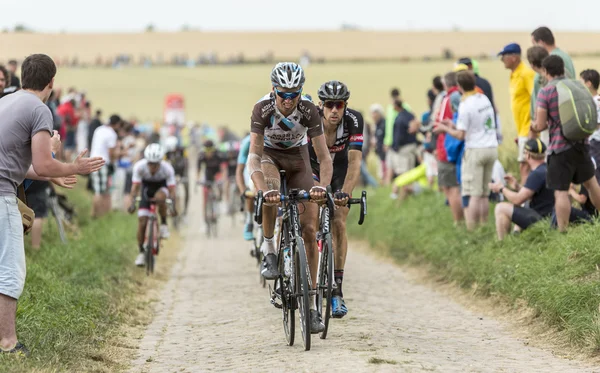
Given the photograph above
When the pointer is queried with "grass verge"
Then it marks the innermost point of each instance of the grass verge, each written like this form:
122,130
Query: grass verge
557,275
78,294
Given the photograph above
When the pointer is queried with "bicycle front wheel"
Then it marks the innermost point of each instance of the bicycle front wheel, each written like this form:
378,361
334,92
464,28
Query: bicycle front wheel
287,288
326,282
302,290
151,237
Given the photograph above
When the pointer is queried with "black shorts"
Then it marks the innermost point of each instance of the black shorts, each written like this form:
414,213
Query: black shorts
572,166
148,192
340,169
38,202
525,217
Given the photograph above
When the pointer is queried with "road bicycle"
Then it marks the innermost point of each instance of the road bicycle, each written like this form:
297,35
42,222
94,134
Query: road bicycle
62,212
325,283
211,207
152,239
292,289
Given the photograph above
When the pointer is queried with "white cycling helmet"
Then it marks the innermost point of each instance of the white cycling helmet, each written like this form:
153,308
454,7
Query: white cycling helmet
171,144
287,75
154,153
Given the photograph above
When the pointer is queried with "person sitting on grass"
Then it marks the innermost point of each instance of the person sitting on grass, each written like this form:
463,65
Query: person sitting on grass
541,198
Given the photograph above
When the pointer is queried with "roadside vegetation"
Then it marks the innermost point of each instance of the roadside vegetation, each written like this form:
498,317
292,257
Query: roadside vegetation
557,275
77,295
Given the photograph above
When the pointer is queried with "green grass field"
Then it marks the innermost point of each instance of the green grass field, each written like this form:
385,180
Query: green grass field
556,275
226,94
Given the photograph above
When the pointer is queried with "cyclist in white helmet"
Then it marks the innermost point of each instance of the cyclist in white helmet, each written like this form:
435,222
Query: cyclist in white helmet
176,154
156,179
280,123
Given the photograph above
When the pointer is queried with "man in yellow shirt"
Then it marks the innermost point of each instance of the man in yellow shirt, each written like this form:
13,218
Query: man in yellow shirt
521,86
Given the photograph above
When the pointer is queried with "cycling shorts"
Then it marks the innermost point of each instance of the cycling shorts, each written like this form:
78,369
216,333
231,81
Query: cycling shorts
148,192
296,163
339,175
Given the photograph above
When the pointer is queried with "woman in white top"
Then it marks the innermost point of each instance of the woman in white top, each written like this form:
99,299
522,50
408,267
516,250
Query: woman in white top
476,125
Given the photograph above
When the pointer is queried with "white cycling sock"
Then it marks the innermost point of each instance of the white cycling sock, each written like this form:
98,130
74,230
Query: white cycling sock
313,302
268,246
248,218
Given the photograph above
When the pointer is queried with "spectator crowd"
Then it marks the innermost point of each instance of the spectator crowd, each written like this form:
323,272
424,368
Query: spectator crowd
556,113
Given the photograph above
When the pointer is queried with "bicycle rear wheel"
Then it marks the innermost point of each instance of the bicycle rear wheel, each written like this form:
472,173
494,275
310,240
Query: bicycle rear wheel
208,215
326,283
302,289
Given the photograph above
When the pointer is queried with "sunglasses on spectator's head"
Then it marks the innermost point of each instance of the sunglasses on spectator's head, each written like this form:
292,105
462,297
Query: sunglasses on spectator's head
334,104
288,95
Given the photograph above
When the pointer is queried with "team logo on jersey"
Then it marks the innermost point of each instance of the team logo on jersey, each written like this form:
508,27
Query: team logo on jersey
356,139
337,148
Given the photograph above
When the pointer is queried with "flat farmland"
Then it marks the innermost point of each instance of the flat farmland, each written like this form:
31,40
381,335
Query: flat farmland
225,95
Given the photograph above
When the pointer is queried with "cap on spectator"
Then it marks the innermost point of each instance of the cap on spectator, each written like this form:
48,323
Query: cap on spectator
512,48
535,146
460,67
465,60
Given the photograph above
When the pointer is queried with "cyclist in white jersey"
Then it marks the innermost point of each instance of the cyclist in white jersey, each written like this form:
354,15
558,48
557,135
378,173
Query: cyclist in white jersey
155,177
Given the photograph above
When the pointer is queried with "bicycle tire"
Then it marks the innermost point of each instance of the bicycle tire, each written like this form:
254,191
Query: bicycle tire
57,217
149,247
288,287
328,278
302,289
208,215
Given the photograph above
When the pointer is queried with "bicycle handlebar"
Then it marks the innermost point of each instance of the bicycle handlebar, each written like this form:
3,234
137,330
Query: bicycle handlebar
294,195
363,206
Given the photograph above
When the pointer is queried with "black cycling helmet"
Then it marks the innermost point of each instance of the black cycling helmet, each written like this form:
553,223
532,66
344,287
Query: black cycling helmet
209,144
333,90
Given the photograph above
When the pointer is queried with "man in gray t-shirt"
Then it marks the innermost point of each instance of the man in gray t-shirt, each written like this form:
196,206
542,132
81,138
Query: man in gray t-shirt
25,151
26,115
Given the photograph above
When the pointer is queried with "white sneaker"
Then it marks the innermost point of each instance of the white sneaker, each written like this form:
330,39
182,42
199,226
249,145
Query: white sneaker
164,231
140,261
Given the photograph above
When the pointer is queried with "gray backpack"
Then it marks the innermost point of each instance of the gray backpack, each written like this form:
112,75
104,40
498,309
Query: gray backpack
576,108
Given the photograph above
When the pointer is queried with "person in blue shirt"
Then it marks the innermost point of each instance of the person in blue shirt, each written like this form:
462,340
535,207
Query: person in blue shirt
245,185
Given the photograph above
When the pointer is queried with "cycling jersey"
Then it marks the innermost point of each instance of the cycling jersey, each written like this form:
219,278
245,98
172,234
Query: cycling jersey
282,132
178,160
152,183
244,150
231,163
165,176
349,136
213,165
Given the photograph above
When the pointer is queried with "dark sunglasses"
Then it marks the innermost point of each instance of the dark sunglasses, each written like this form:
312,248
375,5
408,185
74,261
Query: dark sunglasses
334,104
288,95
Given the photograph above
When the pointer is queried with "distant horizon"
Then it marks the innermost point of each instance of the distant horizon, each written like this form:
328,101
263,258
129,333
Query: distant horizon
118,16
241,31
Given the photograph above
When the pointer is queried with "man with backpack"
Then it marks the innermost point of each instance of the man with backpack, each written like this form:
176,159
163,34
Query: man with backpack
569,160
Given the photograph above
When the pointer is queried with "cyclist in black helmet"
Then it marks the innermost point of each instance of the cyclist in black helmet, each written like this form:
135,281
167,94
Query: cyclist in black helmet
343,129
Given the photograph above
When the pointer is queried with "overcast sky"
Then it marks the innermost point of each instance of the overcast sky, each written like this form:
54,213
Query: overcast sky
216,15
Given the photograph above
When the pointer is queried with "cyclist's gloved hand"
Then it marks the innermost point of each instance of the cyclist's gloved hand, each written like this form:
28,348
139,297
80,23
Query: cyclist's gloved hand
272,197
340,198
318,193
131,208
